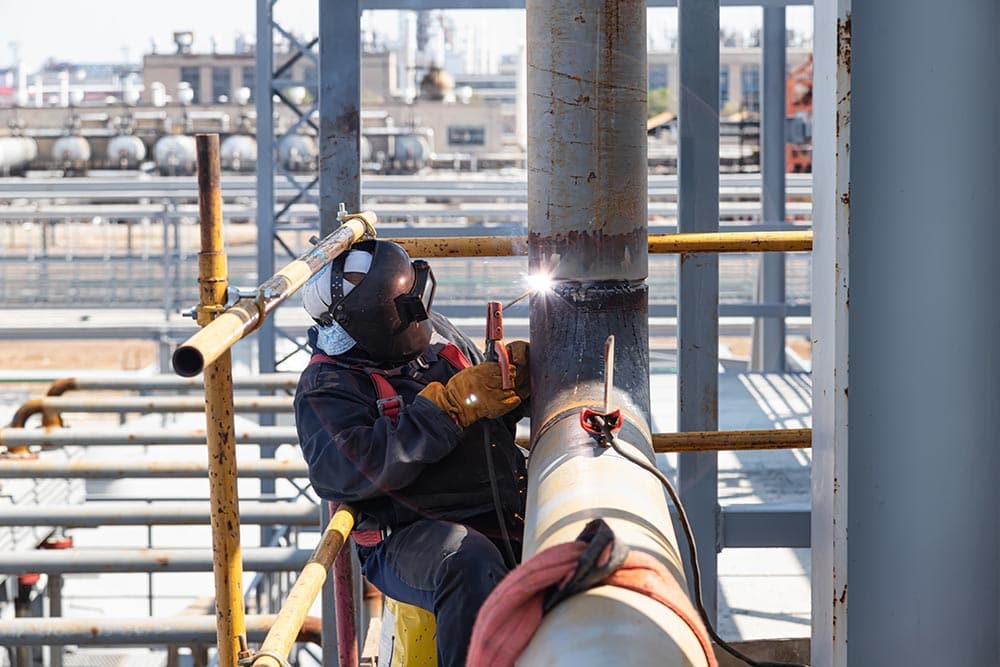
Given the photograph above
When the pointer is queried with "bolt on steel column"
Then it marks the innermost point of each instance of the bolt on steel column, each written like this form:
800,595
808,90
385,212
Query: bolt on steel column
587,187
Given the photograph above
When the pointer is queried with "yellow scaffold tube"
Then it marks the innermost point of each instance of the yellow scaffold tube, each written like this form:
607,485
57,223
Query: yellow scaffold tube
719,441
512,246
227,558
282,635
245,315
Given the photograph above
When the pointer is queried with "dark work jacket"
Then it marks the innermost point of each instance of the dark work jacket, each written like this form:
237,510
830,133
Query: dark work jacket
424,465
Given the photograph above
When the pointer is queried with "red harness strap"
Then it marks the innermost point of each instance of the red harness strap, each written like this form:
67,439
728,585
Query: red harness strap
389,404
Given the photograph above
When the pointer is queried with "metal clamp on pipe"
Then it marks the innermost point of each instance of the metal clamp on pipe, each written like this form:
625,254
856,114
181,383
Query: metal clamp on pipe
244,316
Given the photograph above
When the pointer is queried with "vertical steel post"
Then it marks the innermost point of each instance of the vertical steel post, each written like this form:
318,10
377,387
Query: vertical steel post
587,204
266,155
768,352
339,110
919,334
220,429
55,587
698,298
328,604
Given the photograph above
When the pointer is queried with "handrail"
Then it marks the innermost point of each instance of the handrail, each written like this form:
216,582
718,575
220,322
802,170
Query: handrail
307,586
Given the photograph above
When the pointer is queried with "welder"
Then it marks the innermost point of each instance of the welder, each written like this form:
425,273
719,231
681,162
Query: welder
399,416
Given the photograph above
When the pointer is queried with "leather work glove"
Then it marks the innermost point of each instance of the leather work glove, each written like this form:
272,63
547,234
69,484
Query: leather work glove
517,351
473,394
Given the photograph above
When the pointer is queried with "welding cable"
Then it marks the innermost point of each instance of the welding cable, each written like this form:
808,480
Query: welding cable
495,489
693,554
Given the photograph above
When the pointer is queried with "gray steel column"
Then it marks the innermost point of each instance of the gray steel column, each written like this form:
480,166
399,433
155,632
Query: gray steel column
55,590
328,602
587,203
768,353
911,209
265,336
339,110
698,298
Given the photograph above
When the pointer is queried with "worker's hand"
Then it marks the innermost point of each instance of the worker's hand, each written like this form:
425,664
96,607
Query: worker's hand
517,352
473,394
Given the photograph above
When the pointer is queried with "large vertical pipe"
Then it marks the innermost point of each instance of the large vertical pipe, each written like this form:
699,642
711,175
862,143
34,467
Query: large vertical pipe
698,297
921,334
339,110
587,204
227,563
769,332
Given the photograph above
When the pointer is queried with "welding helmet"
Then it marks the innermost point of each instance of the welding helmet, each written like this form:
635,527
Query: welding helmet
387,312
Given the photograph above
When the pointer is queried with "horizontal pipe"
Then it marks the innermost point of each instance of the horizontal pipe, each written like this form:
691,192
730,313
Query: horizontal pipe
275,381
174,630
90,561
245,315
94,515
83,437
506,246
18,468
307,586
717,441
150,404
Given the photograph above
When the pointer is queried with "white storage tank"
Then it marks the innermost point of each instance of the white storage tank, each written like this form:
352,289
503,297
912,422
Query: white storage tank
410,153
298,152
16,154
126,151
175,155
238,152
72,154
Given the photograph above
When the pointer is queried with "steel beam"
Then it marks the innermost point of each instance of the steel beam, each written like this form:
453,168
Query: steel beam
905,467
768,352
587,204
266,159
765,526
94,515
84,561
698,295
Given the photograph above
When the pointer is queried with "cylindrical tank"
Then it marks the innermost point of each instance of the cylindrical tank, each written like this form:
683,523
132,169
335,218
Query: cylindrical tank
297,152
175,155
16,154
410,153
72,154
365,150
238,153
126,151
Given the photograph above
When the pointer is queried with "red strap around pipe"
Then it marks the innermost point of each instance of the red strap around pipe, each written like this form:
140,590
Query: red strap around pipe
512,613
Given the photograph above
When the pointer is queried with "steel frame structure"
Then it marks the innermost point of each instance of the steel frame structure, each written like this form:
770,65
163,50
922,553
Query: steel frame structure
339,105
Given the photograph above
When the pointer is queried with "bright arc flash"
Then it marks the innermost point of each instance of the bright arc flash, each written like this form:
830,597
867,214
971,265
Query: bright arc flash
539,282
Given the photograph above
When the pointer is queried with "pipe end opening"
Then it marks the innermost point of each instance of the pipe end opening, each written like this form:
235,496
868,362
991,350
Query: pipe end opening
188,361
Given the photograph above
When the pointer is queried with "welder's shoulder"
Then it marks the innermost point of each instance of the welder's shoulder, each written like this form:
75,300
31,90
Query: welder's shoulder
333,382
450,333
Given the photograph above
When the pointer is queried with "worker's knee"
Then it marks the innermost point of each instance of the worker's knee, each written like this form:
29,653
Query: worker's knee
476,564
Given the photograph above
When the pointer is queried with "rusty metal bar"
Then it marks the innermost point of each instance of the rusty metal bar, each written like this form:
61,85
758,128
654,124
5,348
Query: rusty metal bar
90,561
22,468
718,441
346,612
245,315
83,437
710,242
307,586
219,412
176,630
94,515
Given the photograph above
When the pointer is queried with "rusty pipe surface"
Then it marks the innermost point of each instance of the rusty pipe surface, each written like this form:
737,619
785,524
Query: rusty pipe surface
307,586
176,630
587,204
227,557
245,315
20,468
689,243
94,515
83,437
82,561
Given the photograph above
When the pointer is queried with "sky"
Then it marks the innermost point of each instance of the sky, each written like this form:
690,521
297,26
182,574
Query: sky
116,30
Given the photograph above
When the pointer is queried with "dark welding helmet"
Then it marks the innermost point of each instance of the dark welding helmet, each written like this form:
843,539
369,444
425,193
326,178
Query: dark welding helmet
387,312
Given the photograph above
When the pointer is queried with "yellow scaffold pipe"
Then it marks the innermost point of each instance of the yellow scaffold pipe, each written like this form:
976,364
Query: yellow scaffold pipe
246,314
512,246
283,634
227,558
721,441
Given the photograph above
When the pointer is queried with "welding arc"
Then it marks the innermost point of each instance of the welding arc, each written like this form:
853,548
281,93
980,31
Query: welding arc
693,555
